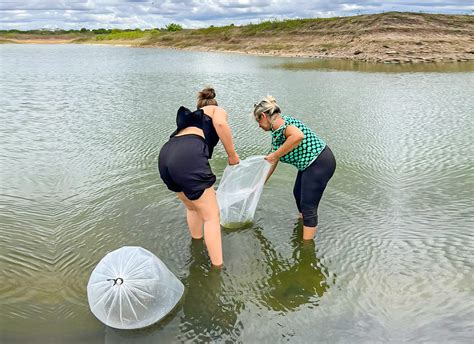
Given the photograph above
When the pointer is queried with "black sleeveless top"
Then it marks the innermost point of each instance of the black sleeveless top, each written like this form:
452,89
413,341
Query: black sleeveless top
187,118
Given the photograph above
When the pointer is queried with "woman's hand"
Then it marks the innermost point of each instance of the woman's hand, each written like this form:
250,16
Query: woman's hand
272,158
233,159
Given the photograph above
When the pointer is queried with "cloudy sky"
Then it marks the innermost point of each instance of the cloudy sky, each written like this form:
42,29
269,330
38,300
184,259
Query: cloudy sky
76,14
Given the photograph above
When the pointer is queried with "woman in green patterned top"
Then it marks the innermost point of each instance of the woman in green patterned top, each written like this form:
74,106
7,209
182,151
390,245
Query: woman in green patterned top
296,144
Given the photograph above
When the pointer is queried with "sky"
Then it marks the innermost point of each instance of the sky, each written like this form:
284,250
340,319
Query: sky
145,14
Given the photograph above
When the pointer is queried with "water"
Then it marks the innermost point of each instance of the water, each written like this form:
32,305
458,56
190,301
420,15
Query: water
81,129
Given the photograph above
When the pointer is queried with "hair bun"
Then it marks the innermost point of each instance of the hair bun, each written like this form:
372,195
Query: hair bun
271,99
207,93
267,105
206,97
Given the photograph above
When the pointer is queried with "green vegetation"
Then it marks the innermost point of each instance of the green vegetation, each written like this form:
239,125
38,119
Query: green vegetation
212,30
264,28
173,27
392,37
121,35
276,25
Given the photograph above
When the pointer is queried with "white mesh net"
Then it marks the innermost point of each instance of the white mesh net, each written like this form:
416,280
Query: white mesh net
131,288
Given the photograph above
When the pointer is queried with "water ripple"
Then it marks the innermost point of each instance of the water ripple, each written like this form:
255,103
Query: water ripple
392,260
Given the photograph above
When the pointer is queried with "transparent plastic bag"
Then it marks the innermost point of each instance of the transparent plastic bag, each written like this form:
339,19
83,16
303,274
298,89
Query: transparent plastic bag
131,288
240,189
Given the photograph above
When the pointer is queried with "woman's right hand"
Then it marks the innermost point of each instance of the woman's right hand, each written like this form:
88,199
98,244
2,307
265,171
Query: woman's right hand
233,159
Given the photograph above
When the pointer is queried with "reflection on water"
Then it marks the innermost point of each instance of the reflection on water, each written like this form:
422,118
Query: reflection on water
215,298
296,281
367,67
208,313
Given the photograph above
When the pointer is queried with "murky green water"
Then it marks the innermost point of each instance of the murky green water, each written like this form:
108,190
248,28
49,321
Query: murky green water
81,129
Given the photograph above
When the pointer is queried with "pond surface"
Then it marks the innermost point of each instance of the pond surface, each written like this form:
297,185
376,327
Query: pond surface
81,130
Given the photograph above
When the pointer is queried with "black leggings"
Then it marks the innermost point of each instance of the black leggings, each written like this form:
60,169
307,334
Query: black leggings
310,185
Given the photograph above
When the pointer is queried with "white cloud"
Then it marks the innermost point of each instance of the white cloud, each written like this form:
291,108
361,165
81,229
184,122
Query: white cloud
76,14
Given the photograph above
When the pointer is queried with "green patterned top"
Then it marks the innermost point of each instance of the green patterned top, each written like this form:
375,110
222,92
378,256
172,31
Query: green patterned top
308,149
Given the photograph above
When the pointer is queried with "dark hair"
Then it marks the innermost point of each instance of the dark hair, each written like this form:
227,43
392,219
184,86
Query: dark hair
206,97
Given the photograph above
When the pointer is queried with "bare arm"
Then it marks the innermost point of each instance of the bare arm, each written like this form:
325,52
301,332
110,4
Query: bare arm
294,136
219,120
270,172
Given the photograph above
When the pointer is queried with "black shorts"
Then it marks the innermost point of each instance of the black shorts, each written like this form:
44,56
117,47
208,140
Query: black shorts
184,166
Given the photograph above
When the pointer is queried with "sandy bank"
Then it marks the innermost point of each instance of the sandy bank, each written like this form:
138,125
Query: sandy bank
393,38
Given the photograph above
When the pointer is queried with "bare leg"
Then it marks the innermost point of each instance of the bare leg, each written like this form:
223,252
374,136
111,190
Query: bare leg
195,222
213,240
207,208
309,232
207,205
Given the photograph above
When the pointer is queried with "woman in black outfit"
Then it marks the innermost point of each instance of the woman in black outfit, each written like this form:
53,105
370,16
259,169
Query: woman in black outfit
184,167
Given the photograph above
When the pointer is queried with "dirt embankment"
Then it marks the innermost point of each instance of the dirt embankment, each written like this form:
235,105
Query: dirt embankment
389,37
393,37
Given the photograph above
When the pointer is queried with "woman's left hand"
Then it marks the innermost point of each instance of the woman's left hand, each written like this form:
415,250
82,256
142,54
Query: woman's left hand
272,158
233,159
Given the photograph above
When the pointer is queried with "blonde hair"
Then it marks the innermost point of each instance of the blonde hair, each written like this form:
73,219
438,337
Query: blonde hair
206,97
267,105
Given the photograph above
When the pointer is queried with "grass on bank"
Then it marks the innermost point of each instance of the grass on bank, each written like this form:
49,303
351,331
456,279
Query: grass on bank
123,35
85,35
265,27
316,34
